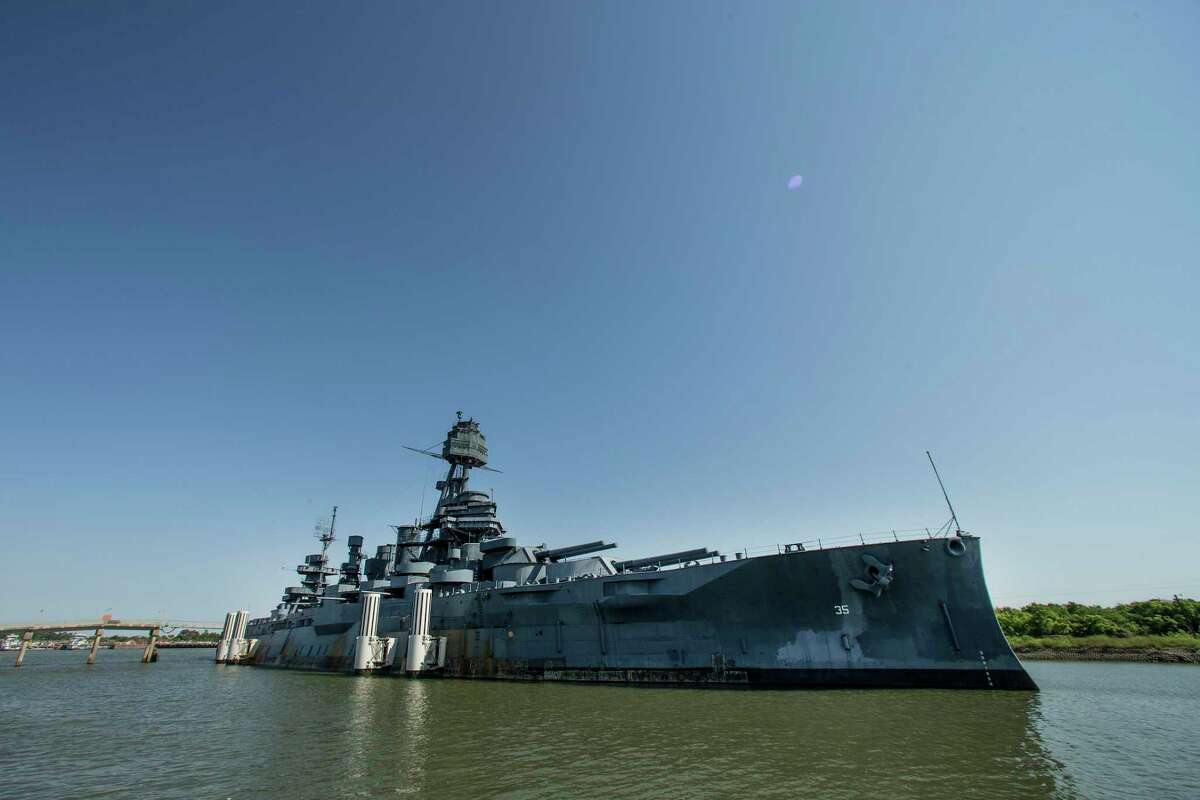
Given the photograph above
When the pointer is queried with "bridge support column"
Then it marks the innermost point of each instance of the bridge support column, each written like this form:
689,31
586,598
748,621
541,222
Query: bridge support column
25,637
151,654
95,646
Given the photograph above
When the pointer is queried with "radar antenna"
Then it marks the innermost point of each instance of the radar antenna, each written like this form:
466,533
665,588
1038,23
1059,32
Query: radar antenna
324,530
953,516
324,534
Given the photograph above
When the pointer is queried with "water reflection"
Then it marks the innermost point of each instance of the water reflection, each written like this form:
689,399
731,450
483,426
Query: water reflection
362,712
414,741
395,737
1124,730
353,736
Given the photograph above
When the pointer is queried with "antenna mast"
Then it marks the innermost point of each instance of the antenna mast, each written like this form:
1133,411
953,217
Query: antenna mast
953,516
326,537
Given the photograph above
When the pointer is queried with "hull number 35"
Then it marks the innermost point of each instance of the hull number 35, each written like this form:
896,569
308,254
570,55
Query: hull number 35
841,611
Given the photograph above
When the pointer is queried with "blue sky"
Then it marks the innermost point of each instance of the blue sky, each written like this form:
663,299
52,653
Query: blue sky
246,252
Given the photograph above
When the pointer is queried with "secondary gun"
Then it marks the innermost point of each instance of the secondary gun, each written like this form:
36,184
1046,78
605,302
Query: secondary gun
665,560
573,550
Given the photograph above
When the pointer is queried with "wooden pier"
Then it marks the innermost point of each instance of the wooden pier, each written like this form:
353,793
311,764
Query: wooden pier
149,655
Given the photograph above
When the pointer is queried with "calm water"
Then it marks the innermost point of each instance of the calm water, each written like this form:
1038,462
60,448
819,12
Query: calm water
185,728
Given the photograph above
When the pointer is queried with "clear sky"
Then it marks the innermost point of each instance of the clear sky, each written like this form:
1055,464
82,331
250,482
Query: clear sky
247,251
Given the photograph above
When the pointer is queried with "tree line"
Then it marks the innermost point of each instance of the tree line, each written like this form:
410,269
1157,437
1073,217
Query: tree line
1143,618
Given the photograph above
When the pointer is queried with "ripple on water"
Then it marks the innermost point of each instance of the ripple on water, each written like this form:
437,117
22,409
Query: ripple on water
185,728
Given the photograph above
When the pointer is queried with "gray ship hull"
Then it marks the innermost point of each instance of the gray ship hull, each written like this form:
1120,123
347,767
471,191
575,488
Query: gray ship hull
818,618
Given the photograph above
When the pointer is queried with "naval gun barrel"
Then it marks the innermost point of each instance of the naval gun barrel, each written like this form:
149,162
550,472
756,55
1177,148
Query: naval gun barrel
666,559
574,550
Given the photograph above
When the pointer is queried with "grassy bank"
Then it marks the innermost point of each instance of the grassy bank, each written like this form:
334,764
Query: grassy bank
1175,641
1171,648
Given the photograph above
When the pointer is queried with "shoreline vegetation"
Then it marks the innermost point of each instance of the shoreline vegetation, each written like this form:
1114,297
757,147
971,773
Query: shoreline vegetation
1155,631
1181,649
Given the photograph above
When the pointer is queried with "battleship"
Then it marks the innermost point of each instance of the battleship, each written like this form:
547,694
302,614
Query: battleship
456,595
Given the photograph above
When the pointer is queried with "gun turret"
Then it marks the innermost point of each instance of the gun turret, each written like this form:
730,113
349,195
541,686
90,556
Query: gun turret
573,550
665,560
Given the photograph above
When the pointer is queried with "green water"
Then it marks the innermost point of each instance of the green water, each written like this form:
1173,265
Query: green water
185,728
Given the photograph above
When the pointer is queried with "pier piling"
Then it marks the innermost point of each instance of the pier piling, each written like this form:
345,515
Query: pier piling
25,637
418,638
91,659
150,655
237,645
226,635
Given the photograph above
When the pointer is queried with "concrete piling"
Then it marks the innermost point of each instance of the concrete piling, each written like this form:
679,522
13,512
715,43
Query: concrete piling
150,655
25,637
91,659
226,636
418,639
364,645
237,646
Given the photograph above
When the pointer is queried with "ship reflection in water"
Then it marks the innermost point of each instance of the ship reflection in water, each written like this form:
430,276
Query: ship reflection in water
395,737
1095,731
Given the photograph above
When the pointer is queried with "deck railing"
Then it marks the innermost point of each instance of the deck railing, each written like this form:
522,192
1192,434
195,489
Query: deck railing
850,540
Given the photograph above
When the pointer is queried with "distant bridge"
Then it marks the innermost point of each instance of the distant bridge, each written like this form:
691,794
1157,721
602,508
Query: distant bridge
107,624
154,626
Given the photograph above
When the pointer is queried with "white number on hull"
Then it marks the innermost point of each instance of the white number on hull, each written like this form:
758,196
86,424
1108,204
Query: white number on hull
841,611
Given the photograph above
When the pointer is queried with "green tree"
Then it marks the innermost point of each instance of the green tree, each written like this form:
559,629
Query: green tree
1142,618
